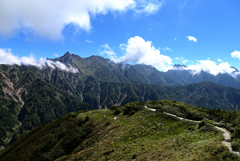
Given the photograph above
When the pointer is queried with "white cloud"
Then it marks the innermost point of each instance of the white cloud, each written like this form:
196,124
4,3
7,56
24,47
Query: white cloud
122,47
175,39
89,41
7,57
185,61
56,55
191,38
177,58
148,6
236,54
47,18
137,50
219,60
167,49
105,49
212,68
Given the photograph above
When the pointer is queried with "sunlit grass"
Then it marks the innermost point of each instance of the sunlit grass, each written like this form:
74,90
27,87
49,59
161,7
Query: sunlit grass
139,134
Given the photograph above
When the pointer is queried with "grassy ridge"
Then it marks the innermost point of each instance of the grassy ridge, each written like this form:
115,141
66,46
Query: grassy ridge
120,133
227,119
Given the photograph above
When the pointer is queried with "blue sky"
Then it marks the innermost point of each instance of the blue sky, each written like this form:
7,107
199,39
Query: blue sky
197,33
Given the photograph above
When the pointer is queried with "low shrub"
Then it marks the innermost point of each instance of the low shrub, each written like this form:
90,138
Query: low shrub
107,123
191,128
117,111
195,116
227,155
235,145
113,107
159,111
220,153
208,127
86,119
236,133
132,108
166,116
202,123
183,109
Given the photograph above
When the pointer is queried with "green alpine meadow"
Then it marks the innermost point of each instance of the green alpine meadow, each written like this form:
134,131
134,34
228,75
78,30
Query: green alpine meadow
132,132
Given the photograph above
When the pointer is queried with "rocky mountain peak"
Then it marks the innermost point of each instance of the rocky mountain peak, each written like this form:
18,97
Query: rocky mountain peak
67,54
179,66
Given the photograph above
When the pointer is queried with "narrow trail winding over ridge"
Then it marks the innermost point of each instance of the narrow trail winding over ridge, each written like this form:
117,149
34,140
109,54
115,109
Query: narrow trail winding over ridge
226,134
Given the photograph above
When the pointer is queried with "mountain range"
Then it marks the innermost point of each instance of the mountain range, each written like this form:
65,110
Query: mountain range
31,96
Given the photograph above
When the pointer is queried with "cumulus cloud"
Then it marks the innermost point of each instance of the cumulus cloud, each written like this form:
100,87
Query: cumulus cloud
212,68
7,57
48,18
236,54
137,50
191,38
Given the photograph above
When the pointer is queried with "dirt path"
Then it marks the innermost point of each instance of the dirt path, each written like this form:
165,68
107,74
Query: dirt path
227,139
180,118
151,109
226,134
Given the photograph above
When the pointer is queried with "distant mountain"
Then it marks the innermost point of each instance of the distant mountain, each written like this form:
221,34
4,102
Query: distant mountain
31,97
204,94
105,70
186,77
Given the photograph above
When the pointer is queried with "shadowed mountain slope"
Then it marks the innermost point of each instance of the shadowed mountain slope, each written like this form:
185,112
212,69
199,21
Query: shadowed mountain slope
31,97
